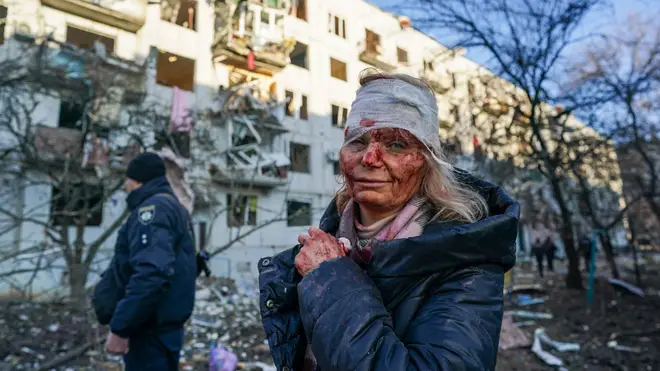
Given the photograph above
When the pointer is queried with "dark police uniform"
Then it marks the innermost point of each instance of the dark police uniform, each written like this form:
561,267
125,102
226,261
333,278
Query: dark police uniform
148,292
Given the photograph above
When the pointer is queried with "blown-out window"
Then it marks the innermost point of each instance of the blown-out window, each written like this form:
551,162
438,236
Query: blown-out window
85,39
175,70
299,214
241,210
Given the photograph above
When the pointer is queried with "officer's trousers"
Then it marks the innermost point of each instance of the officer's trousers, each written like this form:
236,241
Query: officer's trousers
154,351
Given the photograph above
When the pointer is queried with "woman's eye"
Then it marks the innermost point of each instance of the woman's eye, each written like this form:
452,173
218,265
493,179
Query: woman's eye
397,146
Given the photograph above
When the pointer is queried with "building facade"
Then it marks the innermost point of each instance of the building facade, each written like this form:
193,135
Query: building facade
266,83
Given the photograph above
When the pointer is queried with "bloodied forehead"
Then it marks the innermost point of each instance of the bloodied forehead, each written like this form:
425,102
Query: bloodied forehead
390,134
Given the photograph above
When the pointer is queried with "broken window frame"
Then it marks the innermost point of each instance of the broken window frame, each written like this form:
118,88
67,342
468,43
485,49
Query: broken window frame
65,122
243,211
73,33
294,57
289,107
181,13
402,55
338,69
300,157
303,114
301,10
372,42
299,213
77,203
339,115
428,66
165,57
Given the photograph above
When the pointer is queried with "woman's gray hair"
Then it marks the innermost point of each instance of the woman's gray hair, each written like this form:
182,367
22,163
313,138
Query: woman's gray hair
451,200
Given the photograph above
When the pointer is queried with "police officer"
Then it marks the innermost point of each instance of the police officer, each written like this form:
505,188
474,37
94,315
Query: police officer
147,293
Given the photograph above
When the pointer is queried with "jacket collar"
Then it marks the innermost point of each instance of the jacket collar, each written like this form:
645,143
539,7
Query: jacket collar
448,245
148,189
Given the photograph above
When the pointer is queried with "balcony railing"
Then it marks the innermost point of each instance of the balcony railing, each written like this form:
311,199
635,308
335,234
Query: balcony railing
251,124
127,15
251,36
373,55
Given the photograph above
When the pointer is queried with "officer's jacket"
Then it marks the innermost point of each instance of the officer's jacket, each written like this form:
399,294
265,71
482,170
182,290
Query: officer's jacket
150,283
427,303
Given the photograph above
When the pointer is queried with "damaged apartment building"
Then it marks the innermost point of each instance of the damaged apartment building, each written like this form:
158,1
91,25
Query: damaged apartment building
245,99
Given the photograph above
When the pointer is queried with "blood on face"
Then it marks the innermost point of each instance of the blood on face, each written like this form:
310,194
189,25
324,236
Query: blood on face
383,167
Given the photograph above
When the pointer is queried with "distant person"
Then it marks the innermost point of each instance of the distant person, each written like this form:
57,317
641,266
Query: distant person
538,249
148,291
550,253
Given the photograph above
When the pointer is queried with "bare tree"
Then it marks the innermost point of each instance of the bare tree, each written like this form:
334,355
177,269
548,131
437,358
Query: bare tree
626,68
526,42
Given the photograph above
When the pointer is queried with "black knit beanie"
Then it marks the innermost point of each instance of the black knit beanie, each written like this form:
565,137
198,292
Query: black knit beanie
146,167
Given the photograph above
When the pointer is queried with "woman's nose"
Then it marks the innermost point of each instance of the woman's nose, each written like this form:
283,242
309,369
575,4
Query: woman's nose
373,155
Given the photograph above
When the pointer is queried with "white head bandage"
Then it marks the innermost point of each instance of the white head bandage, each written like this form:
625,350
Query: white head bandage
393,103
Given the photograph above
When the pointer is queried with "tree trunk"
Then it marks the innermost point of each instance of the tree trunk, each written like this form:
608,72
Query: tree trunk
574,277
606,241
633,245
77,280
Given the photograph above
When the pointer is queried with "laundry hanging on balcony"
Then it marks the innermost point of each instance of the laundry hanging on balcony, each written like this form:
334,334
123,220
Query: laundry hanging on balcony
180,118
250,61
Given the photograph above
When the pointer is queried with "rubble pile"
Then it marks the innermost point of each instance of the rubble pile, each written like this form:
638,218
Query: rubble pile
34,334
228,316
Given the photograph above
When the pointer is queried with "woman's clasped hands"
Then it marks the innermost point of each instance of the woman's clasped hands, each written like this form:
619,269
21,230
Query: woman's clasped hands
316,247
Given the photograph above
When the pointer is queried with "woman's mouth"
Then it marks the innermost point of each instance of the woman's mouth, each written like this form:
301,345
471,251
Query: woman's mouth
368,183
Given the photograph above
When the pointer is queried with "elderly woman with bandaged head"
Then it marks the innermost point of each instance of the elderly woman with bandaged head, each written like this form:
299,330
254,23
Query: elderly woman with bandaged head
406,269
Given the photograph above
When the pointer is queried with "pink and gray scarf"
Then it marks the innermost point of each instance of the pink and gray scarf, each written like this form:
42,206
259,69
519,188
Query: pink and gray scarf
409,222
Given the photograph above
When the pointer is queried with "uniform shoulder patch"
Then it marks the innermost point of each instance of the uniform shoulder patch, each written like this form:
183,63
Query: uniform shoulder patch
146,214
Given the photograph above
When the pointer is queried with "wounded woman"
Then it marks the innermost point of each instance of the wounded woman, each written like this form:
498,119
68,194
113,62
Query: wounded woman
406,269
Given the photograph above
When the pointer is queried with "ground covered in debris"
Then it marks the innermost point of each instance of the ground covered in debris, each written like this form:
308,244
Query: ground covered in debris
616,318
52,335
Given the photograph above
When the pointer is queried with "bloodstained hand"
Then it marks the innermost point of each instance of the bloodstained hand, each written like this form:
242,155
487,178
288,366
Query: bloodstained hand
317,247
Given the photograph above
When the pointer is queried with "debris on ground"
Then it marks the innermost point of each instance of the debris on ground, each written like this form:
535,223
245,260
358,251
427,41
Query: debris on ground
623,348
548,358
512,337
527,300
614,315
34,335
628,287
531,315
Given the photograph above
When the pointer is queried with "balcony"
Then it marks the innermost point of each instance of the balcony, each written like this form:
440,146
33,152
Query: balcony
372,53
252,120
439,83
129,15
374,58
250,36
260,170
